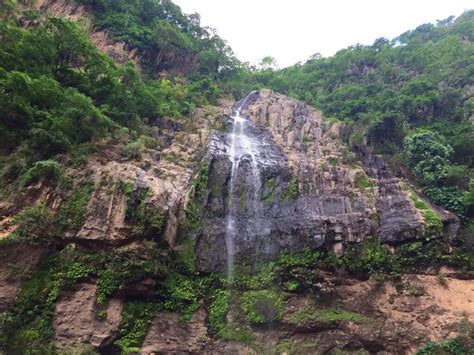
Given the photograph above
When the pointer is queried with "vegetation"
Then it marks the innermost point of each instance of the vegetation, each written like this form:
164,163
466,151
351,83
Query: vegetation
326,315
408,94
262,306
61,99
137,317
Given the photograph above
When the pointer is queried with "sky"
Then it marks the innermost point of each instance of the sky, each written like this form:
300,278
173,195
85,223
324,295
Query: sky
292,31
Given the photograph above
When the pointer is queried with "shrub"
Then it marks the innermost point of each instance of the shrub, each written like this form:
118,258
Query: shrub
35,223
137,317
46,169
361,180
263,306
451,346
217,310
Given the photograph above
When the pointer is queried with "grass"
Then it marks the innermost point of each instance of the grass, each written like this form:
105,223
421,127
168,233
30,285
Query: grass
308,314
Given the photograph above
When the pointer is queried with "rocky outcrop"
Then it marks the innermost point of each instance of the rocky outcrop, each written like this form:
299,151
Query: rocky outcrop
166,172
312,191
18,260
77,318
168,335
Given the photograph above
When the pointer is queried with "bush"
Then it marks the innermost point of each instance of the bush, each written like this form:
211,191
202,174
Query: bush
361,180
263,306
137,317
35,224
217,310
46,169
451,346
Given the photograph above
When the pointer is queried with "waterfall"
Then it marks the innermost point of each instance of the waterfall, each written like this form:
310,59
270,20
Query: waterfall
241,144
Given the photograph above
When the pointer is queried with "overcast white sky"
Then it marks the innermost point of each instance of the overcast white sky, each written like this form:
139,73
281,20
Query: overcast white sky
293,30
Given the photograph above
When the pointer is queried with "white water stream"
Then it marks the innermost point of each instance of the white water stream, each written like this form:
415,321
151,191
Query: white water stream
241,144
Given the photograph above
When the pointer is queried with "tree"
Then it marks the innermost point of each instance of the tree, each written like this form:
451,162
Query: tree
428,156
268,63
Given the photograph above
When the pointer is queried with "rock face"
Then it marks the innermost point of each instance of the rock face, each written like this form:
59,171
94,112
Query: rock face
309,189
76,318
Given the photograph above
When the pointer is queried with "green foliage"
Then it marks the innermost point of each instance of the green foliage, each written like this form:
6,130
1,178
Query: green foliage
72,214
361,180
450,346
217,311
468,199
428,156
35,224
263,306
148,219
134,150
28,326
448,197
367,257
269,191
245,279
46,169
433,223
307,259
137,317
194,210
292,193
182,294
309,314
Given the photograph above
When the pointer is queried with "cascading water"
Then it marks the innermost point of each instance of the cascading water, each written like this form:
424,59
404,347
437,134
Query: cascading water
241,145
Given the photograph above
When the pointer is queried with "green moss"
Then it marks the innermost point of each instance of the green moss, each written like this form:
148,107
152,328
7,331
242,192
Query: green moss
235,332
269,191
362,181
217,311
262,306
194,211
292,193
326,315
148,219
137,317
433,223
245,279
242,198
73,212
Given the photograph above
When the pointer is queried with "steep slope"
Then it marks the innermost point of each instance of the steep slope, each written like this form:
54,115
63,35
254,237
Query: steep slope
310,190
124,200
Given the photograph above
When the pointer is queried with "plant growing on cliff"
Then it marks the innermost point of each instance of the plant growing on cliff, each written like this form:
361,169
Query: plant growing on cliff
263,306
137,317
35,224
217,310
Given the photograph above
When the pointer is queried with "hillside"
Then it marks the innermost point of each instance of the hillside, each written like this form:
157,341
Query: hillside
152,202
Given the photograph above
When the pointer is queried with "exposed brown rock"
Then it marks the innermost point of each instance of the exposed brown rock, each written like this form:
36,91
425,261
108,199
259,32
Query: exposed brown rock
76,318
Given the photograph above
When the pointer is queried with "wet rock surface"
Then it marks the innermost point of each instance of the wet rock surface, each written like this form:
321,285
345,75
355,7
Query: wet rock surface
309,191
